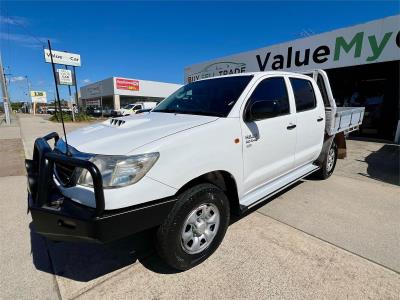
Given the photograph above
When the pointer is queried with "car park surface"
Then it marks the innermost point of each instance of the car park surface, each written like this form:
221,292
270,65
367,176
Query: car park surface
308,242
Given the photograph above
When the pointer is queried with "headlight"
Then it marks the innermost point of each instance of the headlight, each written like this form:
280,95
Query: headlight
118,170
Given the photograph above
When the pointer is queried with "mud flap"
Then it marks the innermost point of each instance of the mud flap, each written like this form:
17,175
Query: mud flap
340,141
325,148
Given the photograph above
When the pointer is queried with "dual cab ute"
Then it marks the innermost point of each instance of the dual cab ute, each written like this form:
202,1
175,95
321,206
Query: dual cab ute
214,148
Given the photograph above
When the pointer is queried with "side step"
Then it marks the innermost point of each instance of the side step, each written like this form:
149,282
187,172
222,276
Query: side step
277,185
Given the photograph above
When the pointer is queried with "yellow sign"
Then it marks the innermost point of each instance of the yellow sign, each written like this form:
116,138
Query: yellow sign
38,96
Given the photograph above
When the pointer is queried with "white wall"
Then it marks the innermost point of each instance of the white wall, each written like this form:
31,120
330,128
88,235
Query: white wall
108,87
98,89
148,88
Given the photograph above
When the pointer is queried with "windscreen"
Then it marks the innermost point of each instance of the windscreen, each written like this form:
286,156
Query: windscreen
212,97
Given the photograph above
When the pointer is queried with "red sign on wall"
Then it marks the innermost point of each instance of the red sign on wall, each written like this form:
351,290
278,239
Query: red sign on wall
127,84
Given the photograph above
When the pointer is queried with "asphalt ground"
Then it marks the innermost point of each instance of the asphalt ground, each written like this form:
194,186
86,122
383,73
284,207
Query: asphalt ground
338,238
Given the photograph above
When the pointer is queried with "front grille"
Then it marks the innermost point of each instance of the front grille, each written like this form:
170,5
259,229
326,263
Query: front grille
65,174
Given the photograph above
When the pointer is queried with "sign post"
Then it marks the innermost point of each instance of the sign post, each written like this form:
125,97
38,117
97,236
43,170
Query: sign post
38,97
58,96
64,76
62,58
76,87
69,91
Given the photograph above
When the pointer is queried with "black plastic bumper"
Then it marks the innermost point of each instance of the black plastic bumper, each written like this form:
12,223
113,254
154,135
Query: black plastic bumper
60,218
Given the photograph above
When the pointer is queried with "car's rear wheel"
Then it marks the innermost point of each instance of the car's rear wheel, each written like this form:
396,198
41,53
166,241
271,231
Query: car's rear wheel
329,163
195,227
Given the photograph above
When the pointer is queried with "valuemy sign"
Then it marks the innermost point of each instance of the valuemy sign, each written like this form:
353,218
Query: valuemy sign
372,42
38,97
63,58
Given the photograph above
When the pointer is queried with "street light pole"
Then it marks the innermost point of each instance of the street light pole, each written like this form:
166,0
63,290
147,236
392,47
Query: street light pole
6,98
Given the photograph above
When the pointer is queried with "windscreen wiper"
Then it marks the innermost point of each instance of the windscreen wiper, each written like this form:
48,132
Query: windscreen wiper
189,112
201,113
167,110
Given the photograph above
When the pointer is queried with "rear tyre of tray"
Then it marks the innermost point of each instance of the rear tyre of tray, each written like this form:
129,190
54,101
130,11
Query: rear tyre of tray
329,163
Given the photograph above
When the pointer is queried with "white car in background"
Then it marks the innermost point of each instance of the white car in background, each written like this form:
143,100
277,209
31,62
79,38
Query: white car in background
132,108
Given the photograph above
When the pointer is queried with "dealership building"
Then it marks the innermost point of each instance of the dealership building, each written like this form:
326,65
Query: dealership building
116,92
362,62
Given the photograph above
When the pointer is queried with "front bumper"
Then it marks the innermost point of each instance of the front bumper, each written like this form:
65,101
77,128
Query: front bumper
60,218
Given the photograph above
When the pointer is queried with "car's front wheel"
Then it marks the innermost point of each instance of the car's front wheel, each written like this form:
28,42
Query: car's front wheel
195,227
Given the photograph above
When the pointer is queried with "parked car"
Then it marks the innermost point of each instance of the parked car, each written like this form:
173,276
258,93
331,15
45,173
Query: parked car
52,110
215,148
131,109
94,111
98,111
107,112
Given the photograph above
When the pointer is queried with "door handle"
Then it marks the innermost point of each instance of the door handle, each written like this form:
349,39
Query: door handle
320,119
290,127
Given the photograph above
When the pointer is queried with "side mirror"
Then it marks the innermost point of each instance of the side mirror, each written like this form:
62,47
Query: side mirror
260,110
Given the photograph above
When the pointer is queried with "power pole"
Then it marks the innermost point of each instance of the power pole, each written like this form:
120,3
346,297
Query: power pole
28,84
6,98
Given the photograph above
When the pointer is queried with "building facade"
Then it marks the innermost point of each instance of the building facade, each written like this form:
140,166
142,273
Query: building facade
116,92
362,61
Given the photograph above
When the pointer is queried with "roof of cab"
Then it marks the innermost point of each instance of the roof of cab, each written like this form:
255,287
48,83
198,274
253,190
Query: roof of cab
259,74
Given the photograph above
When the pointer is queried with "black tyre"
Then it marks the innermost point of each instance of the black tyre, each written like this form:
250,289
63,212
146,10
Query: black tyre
329,163
195,227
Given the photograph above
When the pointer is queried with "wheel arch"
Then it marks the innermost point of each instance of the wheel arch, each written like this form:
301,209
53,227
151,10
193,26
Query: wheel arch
222,179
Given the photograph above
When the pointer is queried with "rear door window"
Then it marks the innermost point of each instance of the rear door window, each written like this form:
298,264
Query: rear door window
303,94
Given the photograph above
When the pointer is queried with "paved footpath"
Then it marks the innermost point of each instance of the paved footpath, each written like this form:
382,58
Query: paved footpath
19,278
291,248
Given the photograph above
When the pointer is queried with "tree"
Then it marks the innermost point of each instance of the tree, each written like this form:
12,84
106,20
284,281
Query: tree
16,105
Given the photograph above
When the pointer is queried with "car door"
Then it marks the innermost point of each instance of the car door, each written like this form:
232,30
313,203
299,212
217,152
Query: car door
269,141
310,120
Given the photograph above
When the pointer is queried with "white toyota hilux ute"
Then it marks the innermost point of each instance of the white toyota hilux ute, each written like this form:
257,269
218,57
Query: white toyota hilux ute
213,149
